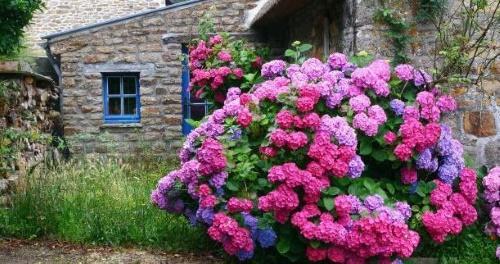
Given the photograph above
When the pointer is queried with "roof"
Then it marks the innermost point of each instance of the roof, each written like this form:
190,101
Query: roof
173,7
270,11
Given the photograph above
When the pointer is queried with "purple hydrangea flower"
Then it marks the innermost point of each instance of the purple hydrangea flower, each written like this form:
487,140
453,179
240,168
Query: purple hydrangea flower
404,208
447,173
218,180
426,161
373,202
397,106
404,72
250,221
392,214
337,61
356,167
421,77
273,69
313,69
235,134
205,215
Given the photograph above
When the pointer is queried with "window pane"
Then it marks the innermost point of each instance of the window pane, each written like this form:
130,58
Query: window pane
197,112
129,85
129,106
113,85
114,106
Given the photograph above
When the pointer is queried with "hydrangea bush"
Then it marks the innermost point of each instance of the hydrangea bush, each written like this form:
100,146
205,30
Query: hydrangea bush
325,161
218,63
491,184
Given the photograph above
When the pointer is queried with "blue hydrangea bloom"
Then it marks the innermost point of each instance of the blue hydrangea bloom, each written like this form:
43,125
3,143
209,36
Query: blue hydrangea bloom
447,173
205,215
266,237
244,255
250,221
413,187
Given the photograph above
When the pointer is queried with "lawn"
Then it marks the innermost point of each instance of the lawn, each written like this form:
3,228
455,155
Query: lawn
105,201
98,201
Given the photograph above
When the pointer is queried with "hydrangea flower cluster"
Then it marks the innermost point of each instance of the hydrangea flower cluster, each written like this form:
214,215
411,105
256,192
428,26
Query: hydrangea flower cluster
215,65
491,184
359,231
454,209
293,153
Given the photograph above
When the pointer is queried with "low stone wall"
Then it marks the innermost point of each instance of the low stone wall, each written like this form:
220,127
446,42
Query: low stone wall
28,121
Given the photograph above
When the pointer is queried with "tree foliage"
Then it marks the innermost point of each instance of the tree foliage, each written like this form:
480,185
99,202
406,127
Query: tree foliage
15,15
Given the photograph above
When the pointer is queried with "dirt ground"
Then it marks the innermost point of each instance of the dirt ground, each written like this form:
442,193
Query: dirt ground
13,251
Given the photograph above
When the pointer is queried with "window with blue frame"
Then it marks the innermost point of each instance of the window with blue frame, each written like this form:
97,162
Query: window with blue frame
192,108
121,97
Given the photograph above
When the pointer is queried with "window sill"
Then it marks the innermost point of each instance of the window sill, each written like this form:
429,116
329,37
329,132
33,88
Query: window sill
123,125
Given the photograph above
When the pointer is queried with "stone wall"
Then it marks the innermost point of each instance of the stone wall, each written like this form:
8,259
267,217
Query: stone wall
62,15
133,45
28,120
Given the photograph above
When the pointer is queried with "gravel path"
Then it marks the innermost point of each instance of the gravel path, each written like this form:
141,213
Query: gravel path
24,252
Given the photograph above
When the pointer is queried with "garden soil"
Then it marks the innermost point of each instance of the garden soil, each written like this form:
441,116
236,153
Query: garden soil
13,251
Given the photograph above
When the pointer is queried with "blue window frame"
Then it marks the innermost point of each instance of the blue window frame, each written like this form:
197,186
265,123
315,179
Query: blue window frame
122,102
192,108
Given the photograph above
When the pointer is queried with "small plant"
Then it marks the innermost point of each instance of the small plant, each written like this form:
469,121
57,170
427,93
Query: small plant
298,54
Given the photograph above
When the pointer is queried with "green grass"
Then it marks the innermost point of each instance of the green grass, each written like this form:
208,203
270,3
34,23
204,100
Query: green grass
100,202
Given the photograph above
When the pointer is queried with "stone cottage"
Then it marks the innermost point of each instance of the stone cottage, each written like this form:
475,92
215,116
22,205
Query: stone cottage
124,76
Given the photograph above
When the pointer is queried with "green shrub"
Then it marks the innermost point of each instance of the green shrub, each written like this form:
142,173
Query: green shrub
101,201
14,16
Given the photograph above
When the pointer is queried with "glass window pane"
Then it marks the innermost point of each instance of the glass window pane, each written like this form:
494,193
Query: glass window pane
197,112
129,106
114,107
129,85
113,85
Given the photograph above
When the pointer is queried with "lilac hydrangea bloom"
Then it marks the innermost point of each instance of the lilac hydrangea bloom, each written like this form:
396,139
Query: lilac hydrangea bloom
218,180
421,77
404,72
273,69
337,61
426,161
397,106
392,214
373,202
356,167
404,208
313,69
